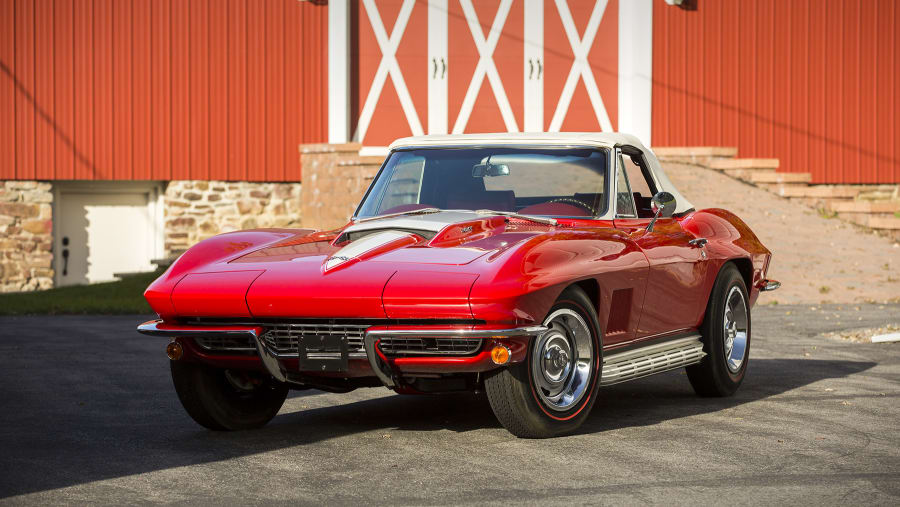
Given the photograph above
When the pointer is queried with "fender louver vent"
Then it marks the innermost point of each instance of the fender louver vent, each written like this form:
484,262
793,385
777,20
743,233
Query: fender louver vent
619,311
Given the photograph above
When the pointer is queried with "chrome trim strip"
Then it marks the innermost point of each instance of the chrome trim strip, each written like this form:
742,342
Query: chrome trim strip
423,211
652,359
151,328
269,358
461,333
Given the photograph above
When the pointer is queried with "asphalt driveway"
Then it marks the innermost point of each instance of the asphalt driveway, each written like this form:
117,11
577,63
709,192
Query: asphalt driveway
88,414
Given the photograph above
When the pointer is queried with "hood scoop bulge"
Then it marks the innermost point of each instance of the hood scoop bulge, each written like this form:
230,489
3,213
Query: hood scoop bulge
368,246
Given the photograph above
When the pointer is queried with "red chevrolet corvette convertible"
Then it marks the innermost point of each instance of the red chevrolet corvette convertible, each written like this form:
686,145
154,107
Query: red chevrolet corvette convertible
536,268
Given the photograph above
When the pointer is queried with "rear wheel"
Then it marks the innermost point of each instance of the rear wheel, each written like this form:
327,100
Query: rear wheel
553,390
226,400
726,337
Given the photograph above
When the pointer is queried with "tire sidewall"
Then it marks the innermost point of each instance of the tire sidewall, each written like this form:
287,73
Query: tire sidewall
563,421
715,333
212,402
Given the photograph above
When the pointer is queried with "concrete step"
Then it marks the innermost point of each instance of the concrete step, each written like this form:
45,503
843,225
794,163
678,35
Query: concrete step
856,206
774,177
874,221
744,163
747,173
669,152
885,222
814,191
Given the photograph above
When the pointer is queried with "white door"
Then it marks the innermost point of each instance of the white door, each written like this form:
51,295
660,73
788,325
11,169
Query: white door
100,234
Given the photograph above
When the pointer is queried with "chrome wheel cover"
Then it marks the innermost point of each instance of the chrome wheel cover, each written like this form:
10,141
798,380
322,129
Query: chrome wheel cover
561,360
736,329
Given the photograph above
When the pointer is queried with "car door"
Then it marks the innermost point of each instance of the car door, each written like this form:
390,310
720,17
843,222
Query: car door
674,299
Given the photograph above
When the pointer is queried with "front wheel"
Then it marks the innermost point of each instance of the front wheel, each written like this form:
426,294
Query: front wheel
553,390
227,400
726,337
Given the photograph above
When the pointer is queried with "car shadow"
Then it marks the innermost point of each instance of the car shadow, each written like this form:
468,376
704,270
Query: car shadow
129,435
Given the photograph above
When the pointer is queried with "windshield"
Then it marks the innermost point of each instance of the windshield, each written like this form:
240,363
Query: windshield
568,182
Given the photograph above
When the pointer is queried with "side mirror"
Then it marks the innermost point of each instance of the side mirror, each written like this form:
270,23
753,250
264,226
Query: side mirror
662,205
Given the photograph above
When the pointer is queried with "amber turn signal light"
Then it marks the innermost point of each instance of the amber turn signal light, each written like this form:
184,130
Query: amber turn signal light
174,351
500,354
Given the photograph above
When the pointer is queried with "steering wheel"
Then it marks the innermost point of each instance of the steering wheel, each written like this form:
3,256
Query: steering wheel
569,200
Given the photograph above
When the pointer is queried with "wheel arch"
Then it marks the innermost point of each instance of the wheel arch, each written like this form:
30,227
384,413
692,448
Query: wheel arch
745,267
591,288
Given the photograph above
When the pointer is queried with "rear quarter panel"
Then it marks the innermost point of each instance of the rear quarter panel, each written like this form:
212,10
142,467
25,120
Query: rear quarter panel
730,240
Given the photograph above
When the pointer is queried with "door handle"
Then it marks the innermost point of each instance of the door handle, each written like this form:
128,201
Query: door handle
698,242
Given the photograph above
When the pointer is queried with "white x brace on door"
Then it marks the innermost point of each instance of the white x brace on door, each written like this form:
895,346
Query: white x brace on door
538,100
388,66
581,69
485,67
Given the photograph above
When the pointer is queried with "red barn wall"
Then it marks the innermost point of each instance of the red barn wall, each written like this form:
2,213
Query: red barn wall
815,84
160,89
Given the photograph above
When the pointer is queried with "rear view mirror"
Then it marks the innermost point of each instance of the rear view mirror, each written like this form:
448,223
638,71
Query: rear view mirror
490,170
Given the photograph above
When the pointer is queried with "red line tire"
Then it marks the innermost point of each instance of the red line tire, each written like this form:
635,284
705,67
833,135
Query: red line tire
522,395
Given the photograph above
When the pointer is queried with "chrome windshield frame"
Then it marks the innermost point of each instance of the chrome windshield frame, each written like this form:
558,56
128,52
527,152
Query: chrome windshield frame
609,183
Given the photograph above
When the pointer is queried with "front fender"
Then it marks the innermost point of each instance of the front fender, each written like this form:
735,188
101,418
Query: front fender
215,251
525,284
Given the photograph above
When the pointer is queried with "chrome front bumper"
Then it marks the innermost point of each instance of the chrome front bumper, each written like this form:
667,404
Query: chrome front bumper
768,285
379,362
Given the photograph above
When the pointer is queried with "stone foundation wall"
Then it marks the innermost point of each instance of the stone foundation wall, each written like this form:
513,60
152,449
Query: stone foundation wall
335,177
26,235
196,210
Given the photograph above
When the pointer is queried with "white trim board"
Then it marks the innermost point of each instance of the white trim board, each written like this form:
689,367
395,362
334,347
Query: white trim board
636,68
338,72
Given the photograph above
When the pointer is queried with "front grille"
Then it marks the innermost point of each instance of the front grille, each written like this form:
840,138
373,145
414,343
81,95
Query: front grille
285,338
429,346
226,343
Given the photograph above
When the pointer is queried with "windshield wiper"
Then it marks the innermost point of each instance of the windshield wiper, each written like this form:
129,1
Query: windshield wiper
513,214
423,211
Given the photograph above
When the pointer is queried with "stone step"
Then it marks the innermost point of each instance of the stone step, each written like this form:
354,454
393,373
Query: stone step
774,177
746,174
855,206
888,223
669,152
744,163
817,191
874,221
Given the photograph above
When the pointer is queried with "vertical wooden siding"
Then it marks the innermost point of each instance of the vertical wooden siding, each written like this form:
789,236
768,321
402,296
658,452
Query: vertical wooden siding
815,84
160,89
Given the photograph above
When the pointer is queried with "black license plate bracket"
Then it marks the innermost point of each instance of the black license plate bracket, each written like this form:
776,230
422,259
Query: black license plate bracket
328,353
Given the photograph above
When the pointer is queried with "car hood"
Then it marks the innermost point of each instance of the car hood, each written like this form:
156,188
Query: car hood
395,267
